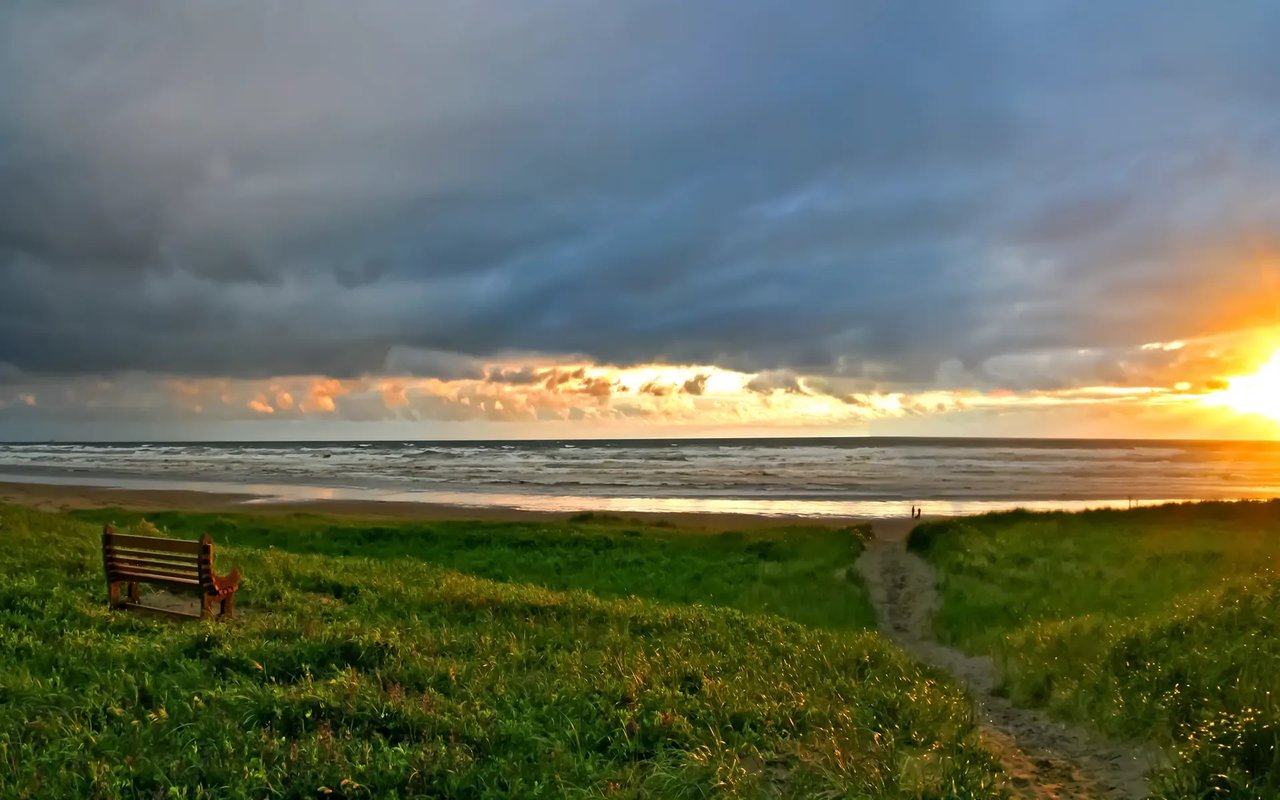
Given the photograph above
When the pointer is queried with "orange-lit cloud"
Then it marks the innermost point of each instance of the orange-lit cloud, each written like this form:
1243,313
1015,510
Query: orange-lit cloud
1176,378
1193,387
320,396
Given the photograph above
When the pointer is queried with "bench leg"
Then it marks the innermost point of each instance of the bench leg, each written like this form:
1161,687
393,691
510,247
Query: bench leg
206,606
134,595
113,593
229,606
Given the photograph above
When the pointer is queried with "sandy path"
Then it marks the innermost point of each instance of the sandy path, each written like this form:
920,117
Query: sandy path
1043,758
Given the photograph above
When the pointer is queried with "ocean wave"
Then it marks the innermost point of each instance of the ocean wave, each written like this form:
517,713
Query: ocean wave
1003,470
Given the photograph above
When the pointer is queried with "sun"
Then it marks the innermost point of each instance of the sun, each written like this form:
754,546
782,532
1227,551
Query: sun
1258,393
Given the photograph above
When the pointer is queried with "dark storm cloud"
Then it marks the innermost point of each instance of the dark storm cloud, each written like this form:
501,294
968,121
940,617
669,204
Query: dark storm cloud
523,376
776,381
866,190
432,363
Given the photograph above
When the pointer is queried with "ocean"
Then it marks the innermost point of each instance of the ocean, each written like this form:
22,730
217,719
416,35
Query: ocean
815,477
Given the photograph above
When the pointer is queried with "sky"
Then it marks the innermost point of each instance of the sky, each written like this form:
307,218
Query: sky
325,220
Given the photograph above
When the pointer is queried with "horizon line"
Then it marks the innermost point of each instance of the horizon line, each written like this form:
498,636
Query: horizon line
553,440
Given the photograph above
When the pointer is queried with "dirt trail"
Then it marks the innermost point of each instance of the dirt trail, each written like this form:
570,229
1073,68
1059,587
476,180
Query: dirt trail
1043,758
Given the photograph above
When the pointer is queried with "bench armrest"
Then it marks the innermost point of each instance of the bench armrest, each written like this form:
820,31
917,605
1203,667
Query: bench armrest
227,583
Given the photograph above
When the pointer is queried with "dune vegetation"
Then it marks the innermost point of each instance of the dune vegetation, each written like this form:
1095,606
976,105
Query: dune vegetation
590,658
1157,623
800,572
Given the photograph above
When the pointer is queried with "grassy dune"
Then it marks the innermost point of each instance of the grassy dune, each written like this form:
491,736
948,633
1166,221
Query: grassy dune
470,660
800,572
1157,622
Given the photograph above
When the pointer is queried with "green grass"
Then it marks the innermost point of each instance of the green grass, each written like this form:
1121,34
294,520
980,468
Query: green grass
1159,623
804,573
469,661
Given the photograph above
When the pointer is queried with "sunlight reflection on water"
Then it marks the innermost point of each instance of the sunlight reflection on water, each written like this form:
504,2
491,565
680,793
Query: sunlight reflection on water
275,493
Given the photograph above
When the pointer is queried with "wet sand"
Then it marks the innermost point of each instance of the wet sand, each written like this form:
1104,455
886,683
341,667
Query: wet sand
57,497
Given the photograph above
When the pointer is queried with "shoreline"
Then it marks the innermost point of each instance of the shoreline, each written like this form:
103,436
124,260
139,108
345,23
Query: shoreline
890,520
68,497
824,505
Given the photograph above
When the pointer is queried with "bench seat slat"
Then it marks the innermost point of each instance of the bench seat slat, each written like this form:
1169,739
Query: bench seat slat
170,583
121,554
110,555
154,577
131,569
185,557
151,569
153,543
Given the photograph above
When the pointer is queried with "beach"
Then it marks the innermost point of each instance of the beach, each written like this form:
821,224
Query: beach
63,497
670,611
813,478
590,523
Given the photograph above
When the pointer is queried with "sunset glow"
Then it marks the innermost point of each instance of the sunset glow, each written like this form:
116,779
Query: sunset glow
579,239
1151,390
1258,393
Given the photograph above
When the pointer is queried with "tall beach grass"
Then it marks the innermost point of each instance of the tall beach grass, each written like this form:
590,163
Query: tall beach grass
1159,623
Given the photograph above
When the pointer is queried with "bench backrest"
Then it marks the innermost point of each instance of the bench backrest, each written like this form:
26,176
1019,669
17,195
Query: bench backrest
150,559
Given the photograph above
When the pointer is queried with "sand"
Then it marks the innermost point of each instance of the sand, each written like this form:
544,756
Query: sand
1043,758
59,497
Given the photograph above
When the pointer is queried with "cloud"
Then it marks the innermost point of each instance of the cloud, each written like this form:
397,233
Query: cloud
403,360
776,381
622,401
519,376
696,385
228,192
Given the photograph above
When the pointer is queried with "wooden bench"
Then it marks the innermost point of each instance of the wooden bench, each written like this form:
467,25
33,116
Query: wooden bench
172,563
